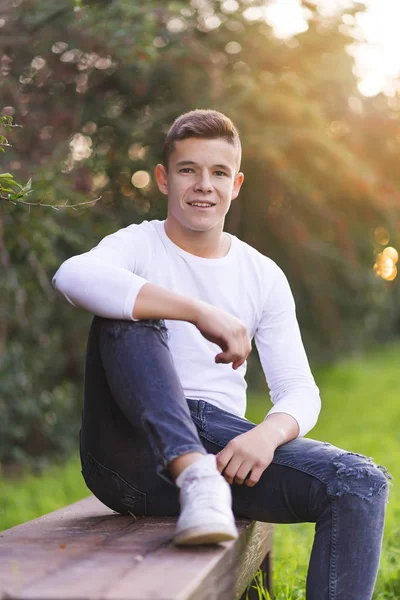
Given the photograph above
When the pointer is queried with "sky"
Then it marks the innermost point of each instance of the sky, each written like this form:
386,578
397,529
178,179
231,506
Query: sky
377,48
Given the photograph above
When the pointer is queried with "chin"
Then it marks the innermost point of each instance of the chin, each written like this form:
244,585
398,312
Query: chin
200,226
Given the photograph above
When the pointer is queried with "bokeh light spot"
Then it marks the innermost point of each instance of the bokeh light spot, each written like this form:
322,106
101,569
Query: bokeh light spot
59,47
176,25
103,63
38,63
89,127
382,236
136,151
81,147
140,179
385,265
392,275
230,6
233,47
99,181
391,253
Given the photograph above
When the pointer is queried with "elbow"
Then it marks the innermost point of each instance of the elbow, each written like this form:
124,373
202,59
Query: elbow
313,415
65,280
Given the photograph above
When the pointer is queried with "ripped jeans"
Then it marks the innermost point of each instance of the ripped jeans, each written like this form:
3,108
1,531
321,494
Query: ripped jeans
136,419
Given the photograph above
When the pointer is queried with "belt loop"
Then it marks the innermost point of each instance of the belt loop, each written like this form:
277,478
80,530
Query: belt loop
201,409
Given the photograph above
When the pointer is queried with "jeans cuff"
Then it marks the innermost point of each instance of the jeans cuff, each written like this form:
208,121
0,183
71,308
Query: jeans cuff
163,470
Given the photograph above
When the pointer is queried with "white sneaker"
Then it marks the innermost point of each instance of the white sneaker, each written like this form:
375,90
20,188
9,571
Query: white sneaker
206,505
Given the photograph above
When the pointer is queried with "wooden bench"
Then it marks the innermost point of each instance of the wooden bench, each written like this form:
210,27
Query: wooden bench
85,551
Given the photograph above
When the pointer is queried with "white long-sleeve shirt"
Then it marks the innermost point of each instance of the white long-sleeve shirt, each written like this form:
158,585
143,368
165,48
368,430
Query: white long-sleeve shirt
107,279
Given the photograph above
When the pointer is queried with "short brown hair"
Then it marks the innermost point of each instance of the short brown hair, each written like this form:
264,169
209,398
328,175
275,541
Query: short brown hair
206,124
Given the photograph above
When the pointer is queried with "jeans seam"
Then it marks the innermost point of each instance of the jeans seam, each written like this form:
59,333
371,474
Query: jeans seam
332,570
210,438
201,413
302,469
182,450
90,455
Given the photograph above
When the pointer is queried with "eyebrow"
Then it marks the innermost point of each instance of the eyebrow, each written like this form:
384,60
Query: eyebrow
181,163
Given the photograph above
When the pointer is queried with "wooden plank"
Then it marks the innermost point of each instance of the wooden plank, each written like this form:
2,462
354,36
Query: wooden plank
202,573
256,545
92,573
31,551
87,552
266,580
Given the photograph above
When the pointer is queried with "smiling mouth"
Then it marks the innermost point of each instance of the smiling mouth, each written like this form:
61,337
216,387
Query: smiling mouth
201,204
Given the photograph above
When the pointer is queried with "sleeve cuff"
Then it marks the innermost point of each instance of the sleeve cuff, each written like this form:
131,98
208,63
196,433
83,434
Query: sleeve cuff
131,296
306,417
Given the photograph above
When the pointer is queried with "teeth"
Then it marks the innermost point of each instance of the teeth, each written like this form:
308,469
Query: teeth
201,204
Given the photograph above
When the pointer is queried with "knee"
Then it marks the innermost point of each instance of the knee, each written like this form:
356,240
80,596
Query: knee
358,476
120,327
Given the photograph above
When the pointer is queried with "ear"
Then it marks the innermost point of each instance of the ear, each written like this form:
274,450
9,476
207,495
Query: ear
161,178
237,184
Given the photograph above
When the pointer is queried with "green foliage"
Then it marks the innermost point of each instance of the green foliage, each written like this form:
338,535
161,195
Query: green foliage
10,189
32,422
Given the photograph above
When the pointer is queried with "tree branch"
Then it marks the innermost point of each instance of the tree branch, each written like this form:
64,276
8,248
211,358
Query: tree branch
55,206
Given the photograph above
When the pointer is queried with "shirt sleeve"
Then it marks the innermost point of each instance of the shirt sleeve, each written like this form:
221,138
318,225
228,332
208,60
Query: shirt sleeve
104,280
284,360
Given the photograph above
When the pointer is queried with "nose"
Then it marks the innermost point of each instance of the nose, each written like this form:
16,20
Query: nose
203,183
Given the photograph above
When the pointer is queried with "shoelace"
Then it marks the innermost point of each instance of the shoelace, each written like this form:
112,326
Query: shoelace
205,496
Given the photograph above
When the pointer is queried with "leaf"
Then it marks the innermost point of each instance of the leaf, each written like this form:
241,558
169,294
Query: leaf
6,175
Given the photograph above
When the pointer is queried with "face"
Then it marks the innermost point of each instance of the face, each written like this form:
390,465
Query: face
200,183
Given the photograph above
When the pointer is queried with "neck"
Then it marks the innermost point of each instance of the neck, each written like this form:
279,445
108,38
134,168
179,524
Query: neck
206,244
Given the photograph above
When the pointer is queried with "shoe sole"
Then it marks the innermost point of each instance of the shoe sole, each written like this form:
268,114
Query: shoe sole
194,536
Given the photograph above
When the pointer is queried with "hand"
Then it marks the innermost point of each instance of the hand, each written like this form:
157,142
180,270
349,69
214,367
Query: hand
227,331
250,452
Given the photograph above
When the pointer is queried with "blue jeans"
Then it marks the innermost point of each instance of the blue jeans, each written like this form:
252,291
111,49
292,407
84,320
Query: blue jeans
136,419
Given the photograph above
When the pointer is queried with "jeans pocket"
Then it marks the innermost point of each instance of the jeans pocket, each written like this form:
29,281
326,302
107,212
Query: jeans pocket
221,426
111,489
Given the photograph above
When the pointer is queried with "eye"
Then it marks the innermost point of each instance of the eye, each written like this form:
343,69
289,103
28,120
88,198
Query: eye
186,170
220,173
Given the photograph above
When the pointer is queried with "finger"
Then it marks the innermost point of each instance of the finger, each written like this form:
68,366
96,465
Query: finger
220,358
238,364
255,476
227,357
223,457
243,471
232,468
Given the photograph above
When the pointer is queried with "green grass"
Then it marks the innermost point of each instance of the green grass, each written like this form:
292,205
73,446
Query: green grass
25,498
361,413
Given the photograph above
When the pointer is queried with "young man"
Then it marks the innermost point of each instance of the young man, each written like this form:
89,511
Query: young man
163,428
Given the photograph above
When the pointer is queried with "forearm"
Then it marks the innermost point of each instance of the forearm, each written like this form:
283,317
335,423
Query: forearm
155,302
104,289
114,292
279,428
